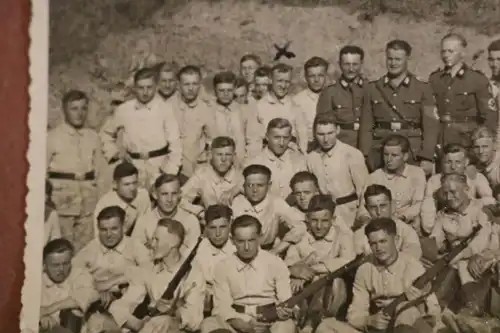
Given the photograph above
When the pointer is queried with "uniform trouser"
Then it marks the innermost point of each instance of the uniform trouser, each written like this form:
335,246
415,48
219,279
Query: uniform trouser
213,323
79,230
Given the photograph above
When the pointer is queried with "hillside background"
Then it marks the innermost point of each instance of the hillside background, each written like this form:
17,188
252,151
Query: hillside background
86,34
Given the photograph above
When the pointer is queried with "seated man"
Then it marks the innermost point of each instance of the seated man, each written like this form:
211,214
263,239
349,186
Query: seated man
215,183
325,248
378,202
245,286
215,247
126,194
186,308
272,211
67,291
378,282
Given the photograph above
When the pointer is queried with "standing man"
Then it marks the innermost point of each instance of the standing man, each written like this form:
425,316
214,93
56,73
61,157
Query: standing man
345,97
150,132
399,103
73,154
262,82
494,63
462,94
248,65
167,79
315,70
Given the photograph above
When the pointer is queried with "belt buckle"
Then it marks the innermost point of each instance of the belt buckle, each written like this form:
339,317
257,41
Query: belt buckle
251,310
356,126
446,118
395,126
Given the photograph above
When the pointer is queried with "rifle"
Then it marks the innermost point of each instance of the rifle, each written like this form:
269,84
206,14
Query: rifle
421,282
269,313
143,309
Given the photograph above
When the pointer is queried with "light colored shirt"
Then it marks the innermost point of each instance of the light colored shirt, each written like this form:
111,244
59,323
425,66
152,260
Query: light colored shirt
271,212
478,188
263,281
133,210
51,227
145,228
341,171
208,185
72,150
283,168
492,170
379,284
306,101
333,251
190,295
406,242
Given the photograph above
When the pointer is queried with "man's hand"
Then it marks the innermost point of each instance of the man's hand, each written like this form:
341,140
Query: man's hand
163,305
297,285
412,293
379,321
302,271
478,264
47,322
284,313
259,327
427,166
135,324
106,298
293,145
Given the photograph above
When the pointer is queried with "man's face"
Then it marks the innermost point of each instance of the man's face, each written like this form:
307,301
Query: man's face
75,113
224,93
351,65
494,63
246,241
247,70
394,158
304,192
241,95
167,83
110,232
326,136
58,266
278,139
454,163
320,223
396,61
217,232
168,196
452,52
145,90
256,187
127,187
454,193
280,83
222,159
261,86
189,86
316,78
379,206
383,245
163,242
484,149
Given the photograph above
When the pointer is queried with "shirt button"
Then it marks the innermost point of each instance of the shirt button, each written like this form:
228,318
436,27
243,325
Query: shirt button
394,94
447,101
449,88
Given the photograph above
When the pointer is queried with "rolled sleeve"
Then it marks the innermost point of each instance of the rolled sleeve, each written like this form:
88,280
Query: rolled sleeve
293,219
191,312
83,291
122,309
190,191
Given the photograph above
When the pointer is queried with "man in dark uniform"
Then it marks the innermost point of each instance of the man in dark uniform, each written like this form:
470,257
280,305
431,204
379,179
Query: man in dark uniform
399,103
345,97
462,94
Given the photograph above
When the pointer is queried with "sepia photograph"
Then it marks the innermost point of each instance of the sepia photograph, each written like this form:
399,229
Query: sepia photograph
230,166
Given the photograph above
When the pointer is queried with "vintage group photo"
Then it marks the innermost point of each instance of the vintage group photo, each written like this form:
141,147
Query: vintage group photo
270,167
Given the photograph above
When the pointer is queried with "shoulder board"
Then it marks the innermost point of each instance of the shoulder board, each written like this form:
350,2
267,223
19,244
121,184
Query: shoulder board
477,71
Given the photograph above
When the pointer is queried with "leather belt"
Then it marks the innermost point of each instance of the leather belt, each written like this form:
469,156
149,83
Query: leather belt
151,154
252,310
350,126
396,125
70,176
447,118
346,199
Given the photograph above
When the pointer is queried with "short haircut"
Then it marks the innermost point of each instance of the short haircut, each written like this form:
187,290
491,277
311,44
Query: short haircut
215,212
188,70
399,44
174,227
224,77
281,68
278,123
481,132
397,140
111,212
245,221
223,142
73,95
453,148
377,189
304,176
123,170
352,49
168,67
251,56
494,46
324,119
496,190
456,36
315,62
145,73
58,245
240,82
263,71
383,223
454,177
321,202
165,178
257,169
